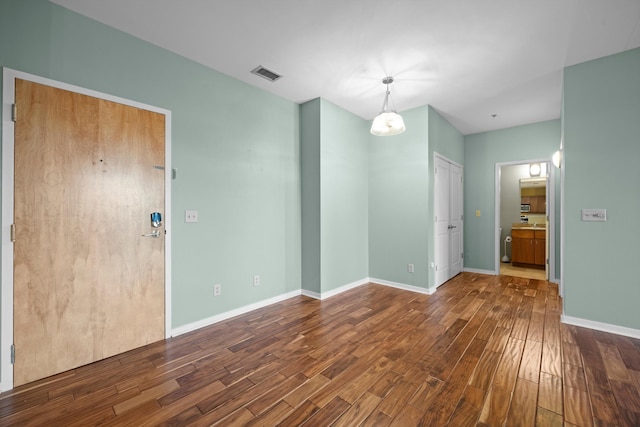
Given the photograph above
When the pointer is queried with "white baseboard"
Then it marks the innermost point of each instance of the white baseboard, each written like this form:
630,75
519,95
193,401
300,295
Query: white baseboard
479,271
402,286
247,308
605,327
311,294
336,291
232,313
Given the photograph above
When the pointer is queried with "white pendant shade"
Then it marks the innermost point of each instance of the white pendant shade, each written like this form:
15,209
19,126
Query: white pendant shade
387,124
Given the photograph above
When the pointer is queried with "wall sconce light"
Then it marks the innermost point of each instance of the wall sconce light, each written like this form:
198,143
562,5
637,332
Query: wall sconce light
556,159
534,169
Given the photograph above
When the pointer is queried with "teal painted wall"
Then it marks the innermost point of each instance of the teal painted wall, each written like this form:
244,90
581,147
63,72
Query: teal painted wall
482,152
401,226
236,149
445,139
398,206
310,176
602,149
240,159
344,196
335,196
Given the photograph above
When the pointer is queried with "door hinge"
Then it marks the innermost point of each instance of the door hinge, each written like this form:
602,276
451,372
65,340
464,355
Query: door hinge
462,217
13,232
14,113
13,354
462,255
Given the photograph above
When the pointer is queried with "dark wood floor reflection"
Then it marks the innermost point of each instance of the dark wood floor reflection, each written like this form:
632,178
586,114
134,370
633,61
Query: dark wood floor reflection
487,350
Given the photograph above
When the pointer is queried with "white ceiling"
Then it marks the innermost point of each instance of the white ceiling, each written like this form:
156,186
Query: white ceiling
469,59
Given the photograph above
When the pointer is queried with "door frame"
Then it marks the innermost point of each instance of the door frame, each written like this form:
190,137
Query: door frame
551,202
6,305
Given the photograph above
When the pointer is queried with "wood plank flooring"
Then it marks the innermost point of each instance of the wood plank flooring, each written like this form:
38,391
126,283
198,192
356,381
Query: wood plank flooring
508,269
483,350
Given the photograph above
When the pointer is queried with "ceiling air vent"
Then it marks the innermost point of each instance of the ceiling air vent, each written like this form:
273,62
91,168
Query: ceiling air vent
265,73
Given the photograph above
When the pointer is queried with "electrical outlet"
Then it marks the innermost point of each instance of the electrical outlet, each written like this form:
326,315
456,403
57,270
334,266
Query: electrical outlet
256,280
217,290
190,216
410,268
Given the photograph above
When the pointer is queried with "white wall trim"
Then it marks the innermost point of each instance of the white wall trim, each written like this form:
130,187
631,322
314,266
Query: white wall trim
232,313
6,315
480,271
8,97
403,286
365,281
344,288
598,326
336,291
261,304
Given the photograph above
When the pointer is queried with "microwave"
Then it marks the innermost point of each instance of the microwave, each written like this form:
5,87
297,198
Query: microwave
525,208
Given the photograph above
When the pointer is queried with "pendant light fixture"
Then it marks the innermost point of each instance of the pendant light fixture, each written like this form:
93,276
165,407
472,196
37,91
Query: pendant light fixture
388,122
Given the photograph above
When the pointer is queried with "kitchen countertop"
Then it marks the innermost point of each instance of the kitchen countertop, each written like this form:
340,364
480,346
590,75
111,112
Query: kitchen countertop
525,226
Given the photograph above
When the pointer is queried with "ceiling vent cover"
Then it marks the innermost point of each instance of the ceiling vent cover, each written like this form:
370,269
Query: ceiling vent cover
265,73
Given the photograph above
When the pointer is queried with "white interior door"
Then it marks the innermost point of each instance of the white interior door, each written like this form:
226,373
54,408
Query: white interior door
448,219
442,228
455,219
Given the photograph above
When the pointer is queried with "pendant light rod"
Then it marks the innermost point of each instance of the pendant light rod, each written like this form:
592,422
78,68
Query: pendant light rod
385,106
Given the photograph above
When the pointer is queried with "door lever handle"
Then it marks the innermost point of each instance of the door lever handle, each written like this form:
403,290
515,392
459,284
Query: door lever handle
155,233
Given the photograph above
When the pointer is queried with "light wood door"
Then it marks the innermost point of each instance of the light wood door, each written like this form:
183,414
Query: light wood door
87,284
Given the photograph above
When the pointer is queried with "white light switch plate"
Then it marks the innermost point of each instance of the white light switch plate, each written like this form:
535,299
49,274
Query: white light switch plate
190,216
594,215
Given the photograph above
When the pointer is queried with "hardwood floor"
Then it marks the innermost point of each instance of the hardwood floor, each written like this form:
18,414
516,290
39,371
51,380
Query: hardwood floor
508,269
482,350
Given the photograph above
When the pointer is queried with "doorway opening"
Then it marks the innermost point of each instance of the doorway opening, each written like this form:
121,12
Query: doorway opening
525,219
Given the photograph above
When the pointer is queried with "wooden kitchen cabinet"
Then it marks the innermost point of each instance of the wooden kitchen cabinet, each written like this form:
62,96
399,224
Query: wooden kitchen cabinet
538,204
528,247
540,248
522,250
